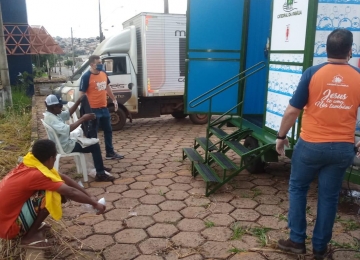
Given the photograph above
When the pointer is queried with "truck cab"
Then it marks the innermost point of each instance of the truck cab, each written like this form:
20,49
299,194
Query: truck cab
120,64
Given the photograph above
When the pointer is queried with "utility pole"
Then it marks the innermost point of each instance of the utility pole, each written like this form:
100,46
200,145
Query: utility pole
73,55
5,88
100,29
166,6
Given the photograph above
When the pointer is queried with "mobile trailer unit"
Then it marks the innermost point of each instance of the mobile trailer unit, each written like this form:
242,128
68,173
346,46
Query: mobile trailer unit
298,34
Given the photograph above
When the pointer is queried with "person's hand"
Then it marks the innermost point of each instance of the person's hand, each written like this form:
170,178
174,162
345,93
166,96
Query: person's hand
358,152
116,106
88,117
100,208
280,146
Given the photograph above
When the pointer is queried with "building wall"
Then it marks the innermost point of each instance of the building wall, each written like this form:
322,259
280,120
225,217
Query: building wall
14,13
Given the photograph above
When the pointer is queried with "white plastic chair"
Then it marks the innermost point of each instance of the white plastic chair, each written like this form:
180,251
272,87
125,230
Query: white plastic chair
79,157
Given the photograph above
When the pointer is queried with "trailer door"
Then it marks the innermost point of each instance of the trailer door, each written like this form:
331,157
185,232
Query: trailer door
214,52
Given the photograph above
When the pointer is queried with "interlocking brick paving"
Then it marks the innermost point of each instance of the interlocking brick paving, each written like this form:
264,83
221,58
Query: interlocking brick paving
157,211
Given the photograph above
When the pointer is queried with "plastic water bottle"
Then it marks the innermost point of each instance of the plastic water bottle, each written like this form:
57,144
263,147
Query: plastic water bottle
89,208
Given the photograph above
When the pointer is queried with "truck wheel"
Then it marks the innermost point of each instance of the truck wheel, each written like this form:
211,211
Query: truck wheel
257,165
179,115
118,119
198,119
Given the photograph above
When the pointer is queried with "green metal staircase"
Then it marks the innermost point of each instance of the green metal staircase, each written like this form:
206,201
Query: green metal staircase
211,151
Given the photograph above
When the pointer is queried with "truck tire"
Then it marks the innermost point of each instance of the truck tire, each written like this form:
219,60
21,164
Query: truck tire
118,119
198,119
257,165
179,115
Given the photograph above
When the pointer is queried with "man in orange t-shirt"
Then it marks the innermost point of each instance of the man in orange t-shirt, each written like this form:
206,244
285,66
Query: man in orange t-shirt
329,93
95,83
22,207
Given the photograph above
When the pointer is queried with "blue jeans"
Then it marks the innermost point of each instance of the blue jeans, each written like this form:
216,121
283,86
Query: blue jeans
103,119
96,155
329,162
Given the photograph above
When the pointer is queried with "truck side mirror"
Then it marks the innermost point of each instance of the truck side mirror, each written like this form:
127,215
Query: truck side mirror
130,86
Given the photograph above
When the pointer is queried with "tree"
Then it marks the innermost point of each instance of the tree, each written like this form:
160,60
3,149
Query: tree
68,63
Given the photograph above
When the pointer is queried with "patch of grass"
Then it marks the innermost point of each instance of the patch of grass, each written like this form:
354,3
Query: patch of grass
260,233
209,224
245,195
257,192
282,217
161,193
308,210
15,129
350,225
205,205
345,245
238,232
357,256
236,250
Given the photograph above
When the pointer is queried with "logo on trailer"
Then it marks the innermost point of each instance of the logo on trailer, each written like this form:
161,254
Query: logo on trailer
289,9
289,5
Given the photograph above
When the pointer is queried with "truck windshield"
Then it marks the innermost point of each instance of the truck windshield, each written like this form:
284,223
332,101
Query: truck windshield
84,67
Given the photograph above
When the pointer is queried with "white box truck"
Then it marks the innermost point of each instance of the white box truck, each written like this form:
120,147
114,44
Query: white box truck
145,63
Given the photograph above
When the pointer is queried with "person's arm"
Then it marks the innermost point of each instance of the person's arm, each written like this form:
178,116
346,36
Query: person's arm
293,110
111,94
79,196
84,83
75,106
70,182
81,120
289,119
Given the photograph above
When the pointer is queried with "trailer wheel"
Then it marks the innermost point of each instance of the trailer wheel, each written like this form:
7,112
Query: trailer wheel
198,119
179,115
118,119
257,165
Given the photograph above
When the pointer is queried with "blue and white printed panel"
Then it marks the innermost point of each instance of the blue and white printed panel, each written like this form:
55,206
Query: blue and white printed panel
333,14
286,57
283,80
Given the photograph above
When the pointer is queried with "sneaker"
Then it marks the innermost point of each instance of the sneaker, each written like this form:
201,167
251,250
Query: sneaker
320,255
288,245
104,178
110,156
107,169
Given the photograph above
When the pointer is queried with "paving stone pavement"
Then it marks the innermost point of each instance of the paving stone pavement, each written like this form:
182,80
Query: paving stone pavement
156,210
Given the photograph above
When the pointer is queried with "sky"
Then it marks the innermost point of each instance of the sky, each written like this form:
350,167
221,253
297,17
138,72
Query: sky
58,16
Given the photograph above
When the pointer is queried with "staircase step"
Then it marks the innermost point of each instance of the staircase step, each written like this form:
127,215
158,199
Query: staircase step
202,142
207,173
218,132
193,155
237,147
223,161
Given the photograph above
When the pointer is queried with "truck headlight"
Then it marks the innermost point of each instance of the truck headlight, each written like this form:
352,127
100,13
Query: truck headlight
70,95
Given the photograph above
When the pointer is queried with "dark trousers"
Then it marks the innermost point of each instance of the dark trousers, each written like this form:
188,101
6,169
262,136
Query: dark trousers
96,154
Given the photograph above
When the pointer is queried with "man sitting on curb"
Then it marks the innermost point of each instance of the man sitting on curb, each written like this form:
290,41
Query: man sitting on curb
32,191
55,117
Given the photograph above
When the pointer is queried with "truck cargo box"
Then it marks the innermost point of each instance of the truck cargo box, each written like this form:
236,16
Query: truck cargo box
161,43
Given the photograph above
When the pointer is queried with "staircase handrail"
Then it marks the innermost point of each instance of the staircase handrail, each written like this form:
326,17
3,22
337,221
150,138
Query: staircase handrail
227,81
